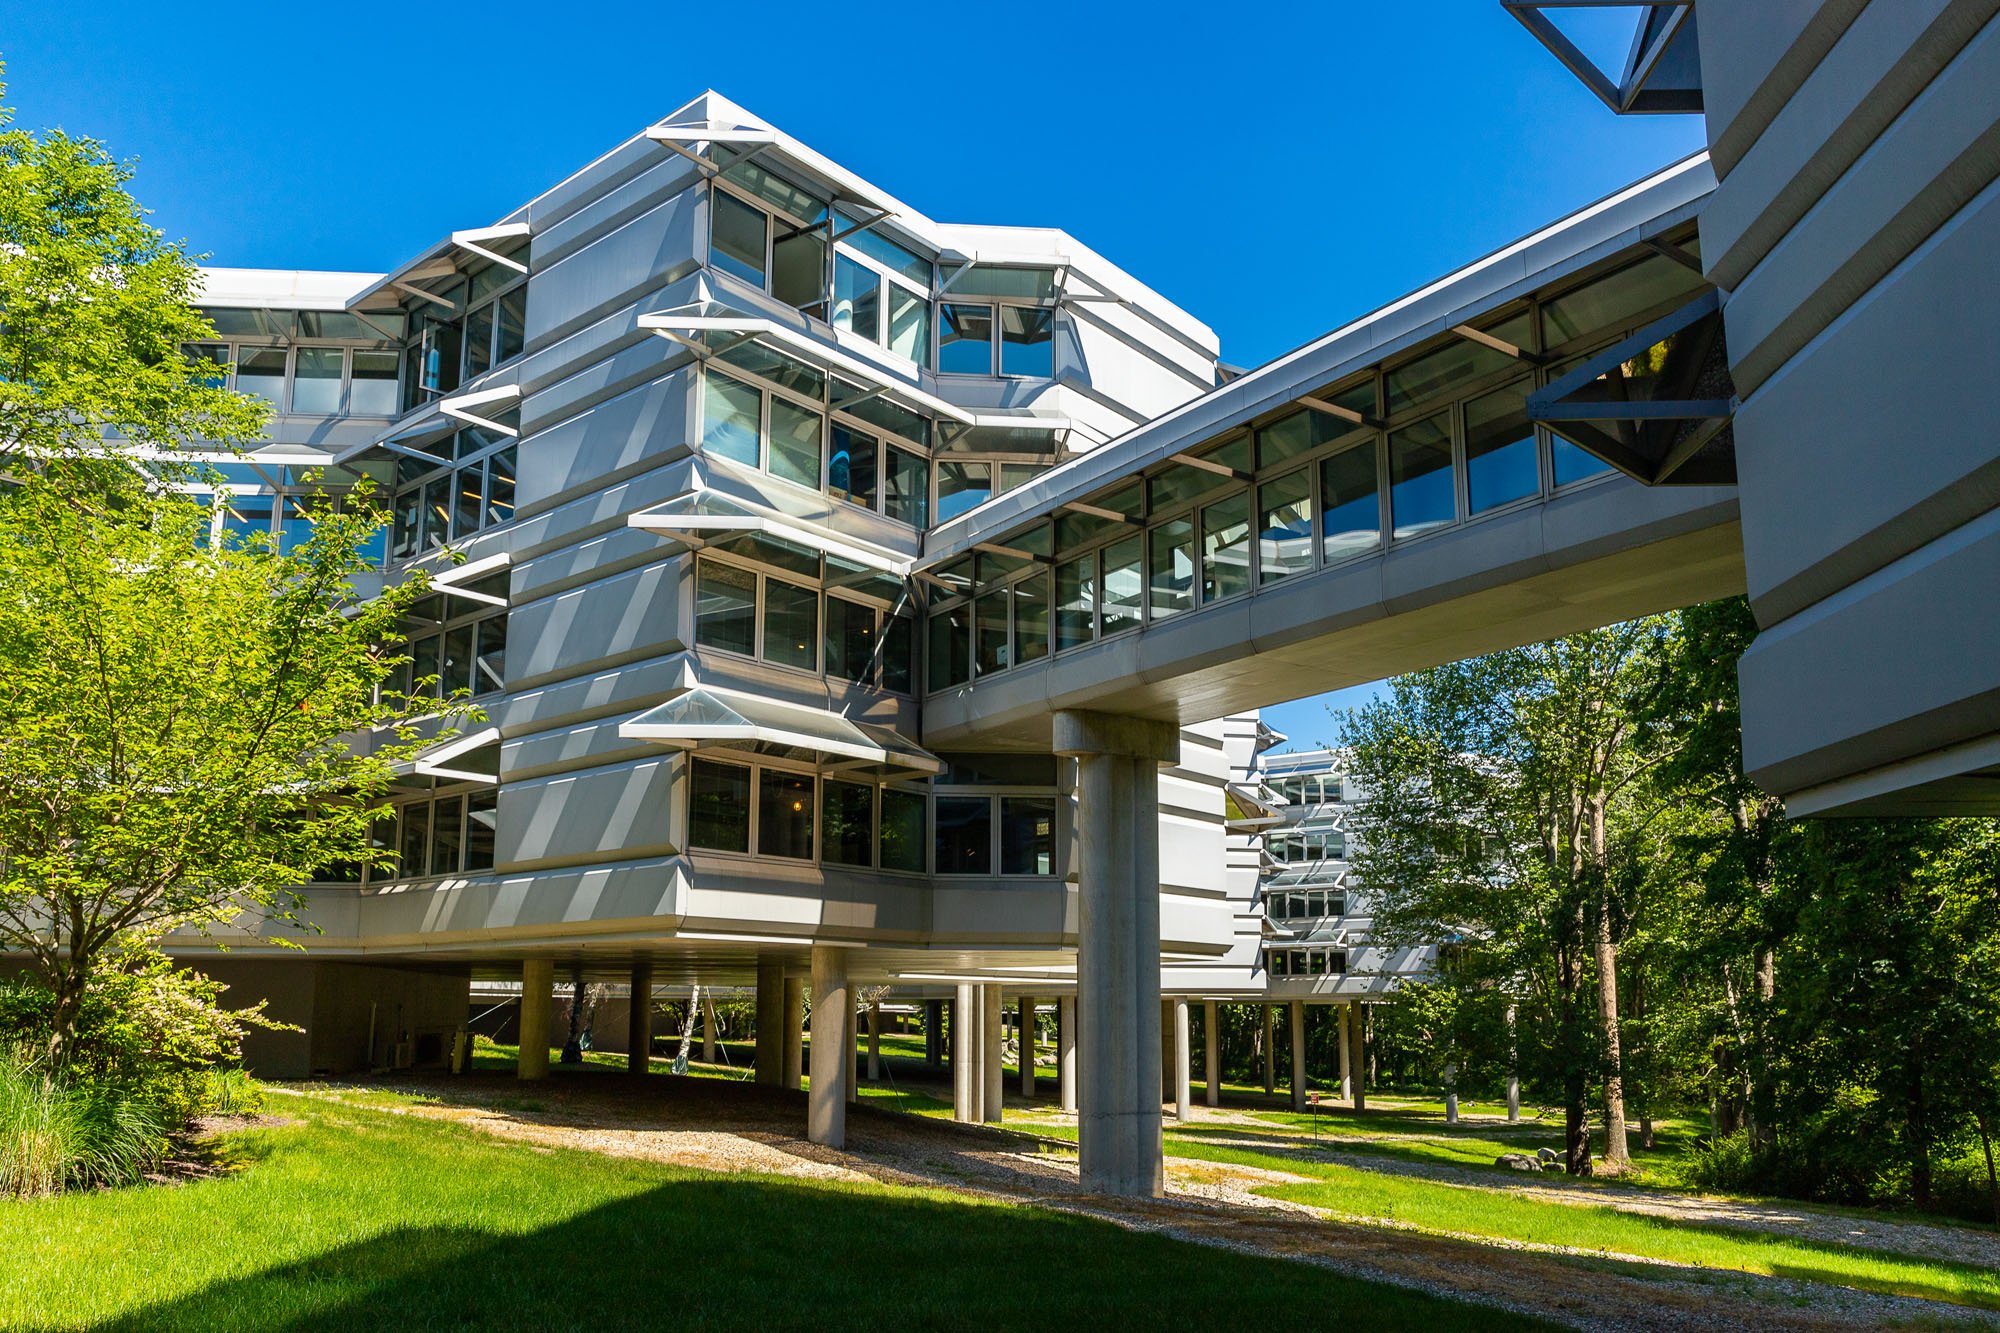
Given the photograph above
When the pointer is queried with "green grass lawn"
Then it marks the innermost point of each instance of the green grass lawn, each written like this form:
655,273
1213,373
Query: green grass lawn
1367,1196
358,1218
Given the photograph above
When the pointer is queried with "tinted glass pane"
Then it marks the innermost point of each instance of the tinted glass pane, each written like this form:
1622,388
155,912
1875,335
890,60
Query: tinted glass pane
490,656
951,648
1500,463
725,607
885,251
1170,568
850,824
990,626
729,418
411,855
903,820
737,237
798,269
718,806
1442,371
1350,514
373,392
850,639
791,624
1076,601
1572,463
1027,835
1124,585
244,516
1614,303
447,835
795,435
1028,341
784,814
909,325
261,371
1285,526
511,314
962,486
908,486
857,298
468,502
964,835
456,667
965,339
479,341
1225,548
1420,489
316,380
482,813
1018,474
851,465
500,487
1296,434
899,635
1031,618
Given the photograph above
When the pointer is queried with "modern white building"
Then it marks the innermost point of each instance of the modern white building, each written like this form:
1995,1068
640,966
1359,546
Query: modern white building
858,598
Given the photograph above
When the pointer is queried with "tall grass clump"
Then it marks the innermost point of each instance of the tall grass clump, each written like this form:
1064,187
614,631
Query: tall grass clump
58,1134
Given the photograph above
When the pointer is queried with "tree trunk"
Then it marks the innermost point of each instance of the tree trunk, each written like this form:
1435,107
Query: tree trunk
68,990
1616,1154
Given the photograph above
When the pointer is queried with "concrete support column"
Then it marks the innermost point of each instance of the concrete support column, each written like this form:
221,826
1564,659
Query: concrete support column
770,1022
639,1020
795,1034
1451,1094
1298,1055
968,1089
1346,1055
708,1026
1183,1057
1118,945
1513,1073
832,1048
1270,1048
1211,1053
1027,1045
992,1053
875,1042
1357,1029
1066,1053
538,985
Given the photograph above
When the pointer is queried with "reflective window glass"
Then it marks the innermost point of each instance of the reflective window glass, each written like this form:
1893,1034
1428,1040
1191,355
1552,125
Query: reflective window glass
904,816
851,466
482,817
1031,618
447,835
795,436
1285,526
1225,548
965,339
964,835
500,487
1028,341
882,250
373,392
1170,568
1420,484
1442,371
737,233
1124,585
718,806
1027,835
244,516
1500,462
725,607
909,325
1076,602
479,341
295,522
857,298
962,486
468,504
784,814
316,380
490,656
456,666
990,633
260,372
1018,474
850,640
510,313
730,413
798,269
908,488
791,624
1350,513
412,854
849,837
899,646
951,647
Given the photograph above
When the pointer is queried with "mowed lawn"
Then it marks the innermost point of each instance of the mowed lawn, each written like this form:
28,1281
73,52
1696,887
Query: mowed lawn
358,1218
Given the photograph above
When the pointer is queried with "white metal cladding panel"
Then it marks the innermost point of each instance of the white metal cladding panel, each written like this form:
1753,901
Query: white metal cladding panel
729,893
1744,44
1196,925
589,560
548,904
664,181
647,424
1002,911
1191,856
582,744
636,614
1135,375
609,270
632,364
622,812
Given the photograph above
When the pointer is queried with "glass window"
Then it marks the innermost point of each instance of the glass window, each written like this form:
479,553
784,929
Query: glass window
795,433
1027,835
730,411
490,656
295,522
1573,463
1350,513
884,251
903,819
725,607
951,648
798,269
909,325
990,632
850,640
482,817
908,487
1420,485
1500,462
718,806
898,647
411,854
457,663
851,467
1124,585
511,314
1225,548
784,814
260,372
479,341
964,835
1076,599
316,380
962,486
1441,371
373,393
468,505
1028,341
965,339
1298,433
737,234
1285,526
500,487
447,835
850,824
857,298
243,516
791,624
1031,618
1018,474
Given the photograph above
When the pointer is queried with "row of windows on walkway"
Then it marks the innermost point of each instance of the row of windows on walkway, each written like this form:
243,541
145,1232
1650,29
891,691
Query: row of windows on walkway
445,835
743,610
1305,962
1304,904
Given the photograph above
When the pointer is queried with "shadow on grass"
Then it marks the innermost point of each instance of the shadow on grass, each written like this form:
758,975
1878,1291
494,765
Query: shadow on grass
742,1253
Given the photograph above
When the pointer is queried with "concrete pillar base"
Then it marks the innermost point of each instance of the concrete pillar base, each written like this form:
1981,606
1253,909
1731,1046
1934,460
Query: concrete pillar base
1066,1053
538,984
770,1022
1298,1055
992,1053
968,1089
1183,1057
832,1049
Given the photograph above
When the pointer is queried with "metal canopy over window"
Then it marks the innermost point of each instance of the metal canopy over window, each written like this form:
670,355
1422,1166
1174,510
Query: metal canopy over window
447,258
474,757
692,519
707,717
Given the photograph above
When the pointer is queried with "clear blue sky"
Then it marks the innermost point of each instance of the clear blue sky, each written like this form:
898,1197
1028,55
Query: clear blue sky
1275,169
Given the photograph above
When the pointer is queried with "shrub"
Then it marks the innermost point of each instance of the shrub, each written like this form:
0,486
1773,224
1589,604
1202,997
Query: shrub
57,1133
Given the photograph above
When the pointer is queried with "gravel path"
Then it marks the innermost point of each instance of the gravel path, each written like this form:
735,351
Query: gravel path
726,1127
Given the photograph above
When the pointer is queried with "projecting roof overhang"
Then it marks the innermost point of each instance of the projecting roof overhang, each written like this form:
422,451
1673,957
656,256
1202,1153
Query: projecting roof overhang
1622,222
497,244
473,757
700,515
1662,71
485,408
709,717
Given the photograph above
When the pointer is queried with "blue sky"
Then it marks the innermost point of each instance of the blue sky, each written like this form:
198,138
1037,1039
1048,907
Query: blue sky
1275,173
